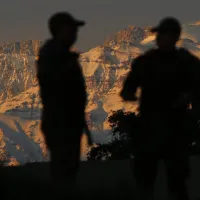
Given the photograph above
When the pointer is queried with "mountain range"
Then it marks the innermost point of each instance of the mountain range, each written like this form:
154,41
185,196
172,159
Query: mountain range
105,68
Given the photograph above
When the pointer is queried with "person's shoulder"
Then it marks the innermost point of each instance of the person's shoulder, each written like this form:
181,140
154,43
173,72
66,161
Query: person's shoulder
47,48
185,54
74,55
46,57
140,61
151,52
189,59
145,57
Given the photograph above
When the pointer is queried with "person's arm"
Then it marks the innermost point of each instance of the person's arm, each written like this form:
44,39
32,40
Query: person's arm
183,99
196,85
132,81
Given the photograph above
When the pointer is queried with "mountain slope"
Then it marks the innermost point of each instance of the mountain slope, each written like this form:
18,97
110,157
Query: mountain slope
105,68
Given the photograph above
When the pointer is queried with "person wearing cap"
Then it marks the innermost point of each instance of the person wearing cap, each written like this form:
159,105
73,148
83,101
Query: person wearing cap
169,80
63,94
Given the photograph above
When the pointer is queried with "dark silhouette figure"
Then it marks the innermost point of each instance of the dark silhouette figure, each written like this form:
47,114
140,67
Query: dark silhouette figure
63,96
169,79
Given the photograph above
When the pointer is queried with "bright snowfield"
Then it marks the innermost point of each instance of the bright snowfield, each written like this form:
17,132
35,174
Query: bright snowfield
104,68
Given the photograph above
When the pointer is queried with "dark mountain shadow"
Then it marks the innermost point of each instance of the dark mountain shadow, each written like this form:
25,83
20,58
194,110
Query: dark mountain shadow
99,116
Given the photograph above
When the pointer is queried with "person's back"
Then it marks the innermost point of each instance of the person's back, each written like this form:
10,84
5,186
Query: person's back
165,75
61,82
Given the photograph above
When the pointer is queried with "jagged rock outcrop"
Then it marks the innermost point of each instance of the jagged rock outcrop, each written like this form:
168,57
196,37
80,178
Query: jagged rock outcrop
26,48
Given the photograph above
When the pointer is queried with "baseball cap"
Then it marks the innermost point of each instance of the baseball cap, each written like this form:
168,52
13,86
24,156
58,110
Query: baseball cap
168,25
61,19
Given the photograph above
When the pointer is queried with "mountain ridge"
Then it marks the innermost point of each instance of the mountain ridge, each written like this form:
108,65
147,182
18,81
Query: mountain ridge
104,67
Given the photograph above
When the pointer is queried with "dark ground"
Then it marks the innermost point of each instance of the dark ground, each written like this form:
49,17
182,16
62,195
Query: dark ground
96,180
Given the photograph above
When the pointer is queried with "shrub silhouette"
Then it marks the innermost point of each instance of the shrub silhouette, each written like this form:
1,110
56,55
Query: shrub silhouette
122,124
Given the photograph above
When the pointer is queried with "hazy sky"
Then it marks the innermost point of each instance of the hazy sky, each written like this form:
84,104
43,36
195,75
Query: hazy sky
26,19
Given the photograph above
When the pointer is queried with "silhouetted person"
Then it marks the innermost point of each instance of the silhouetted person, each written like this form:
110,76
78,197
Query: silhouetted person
63,96
169,80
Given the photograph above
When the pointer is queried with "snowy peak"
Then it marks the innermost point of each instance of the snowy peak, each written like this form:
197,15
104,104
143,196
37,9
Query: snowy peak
133,41
131,34
196,23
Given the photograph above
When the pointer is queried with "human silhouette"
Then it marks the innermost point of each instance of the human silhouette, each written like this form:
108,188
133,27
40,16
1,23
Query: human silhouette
63,95
169,80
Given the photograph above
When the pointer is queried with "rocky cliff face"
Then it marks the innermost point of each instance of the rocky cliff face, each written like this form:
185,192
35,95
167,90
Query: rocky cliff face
26,48
132,35
105,68
17,67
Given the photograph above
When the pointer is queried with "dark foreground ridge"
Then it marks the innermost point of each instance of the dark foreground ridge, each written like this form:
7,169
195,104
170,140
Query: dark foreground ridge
96,180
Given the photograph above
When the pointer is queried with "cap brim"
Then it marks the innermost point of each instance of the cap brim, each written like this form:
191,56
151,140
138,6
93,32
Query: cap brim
155,30
80,23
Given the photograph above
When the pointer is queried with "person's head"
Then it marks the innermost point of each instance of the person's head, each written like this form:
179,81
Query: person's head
168,33
64,27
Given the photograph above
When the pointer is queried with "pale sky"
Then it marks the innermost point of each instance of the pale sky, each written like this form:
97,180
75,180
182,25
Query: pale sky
27,19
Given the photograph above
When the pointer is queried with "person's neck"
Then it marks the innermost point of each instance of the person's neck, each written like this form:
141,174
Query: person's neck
168,49
62,44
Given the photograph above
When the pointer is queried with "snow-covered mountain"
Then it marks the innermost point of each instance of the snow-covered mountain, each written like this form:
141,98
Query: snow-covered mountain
104,68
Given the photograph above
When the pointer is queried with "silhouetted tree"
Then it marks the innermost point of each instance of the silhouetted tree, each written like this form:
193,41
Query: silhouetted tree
124,132
122,124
